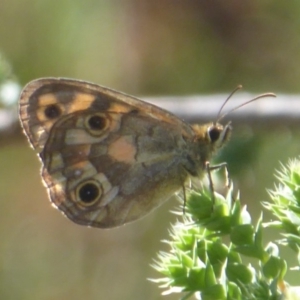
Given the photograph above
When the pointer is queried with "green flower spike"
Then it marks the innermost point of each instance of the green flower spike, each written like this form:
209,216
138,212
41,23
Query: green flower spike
214,235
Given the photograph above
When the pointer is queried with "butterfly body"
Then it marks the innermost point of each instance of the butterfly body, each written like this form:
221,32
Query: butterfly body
109,158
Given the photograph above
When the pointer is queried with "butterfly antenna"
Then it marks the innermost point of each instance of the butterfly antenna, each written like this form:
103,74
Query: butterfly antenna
220,117
239,87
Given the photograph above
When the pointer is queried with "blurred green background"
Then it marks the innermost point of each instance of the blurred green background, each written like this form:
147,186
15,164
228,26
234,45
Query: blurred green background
142,48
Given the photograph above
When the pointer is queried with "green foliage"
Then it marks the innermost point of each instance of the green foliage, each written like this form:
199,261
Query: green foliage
285,205
209,244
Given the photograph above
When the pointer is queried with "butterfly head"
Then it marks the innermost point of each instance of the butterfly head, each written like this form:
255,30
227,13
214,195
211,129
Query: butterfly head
208,138
218,134
211,137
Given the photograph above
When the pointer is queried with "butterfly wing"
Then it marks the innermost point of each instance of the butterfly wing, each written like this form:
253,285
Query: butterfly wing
108,158
131,167
46,100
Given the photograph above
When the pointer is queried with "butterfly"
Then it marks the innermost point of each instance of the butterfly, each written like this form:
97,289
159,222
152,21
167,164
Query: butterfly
109,158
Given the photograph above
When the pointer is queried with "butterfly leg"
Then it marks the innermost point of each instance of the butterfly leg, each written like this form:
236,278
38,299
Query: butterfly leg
184,188
210,168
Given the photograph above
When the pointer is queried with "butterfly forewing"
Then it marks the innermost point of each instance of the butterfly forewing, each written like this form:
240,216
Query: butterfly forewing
44,101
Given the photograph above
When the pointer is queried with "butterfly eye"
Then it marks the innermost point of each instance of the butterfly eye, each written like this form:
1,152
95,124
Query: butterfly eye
97,124
52,111
214,134
88,192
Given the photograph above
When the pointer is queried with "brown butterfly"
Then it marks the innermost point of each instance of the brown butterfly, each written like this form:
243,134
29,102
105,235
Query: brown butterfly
109,158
